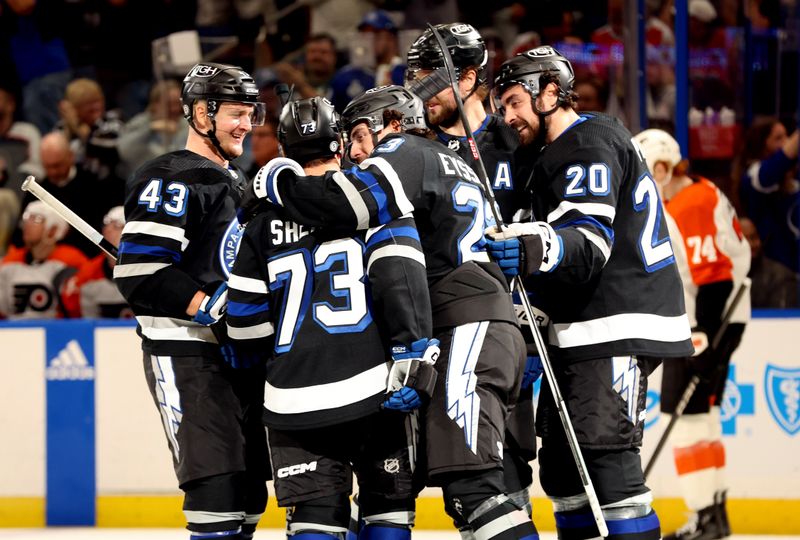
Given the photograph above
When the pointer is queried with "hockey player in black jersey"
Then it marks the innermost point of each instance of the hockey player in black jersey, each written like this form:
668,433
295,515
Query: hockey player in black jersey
175,255
301,294
482,350
602,267
497,143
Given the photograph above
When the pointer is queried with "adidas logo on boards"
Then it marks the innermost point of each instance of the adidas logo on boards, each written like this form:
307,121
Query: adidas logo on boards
70,365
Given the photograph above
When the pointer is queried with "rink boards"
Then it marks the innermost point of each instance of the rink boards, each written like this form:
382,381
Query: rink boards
82,442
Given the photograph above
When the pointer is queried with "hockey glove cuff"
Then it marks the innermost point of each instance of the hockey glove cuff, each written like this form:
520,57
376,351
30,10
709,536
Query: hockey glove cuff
264,187
212,308
412,376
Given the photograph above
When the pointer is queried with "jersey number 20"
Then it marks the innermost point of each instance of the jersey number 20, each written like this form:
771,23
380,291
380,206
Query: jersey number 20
656,252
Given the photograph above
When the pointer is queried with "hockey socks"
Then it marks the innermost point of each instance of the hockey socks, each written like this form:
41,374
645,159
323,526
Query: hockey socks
499,519
384,532
220,535
579,525
697,458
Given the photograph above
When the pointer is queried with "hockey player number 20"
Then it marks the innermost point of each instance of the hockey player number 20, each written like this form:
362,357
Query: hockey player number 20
656,253
291,272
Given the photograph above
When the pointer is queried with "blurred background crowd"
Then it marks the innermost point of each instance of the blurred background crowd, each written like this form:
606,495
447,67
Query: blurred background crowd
89,91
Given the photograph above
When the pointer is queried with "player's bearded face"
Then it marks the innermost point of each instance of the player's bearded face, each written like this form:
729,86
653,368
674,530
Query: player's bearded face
519,114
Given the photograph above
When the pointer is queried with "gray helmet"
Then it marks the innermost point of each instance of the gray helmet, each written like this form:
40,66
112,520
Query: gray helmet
369,107
462,40
309,129
217,83
527,68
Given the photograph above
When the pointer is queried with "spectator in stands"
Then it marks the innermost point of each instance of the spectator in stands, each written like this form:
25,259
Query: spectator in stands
9,208
157,130
774,285
92,292
379,65
32,33
93,131
314,78
769,190
72,185
19,143
592,93
31,276
263,145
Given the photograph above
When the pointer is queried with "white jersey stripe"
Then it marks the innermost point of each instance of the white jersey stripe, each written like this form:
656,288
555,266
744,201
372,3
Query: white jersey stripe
327,396
167,328
588,209
396,251
618,327
140,269
501,524
157,229
200,516
354,198
400,197
251,332
597,241
246,284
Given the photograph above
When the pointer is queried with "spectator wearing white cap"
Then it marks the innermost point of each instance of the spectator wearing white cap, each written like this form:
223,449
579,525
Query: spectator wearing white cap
92,292
32,275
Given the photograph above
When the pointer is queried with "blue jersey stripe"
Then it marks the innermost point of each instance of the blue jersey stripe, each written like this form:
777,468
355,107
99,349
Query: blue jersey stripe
377,192
130,248
386,234
240,309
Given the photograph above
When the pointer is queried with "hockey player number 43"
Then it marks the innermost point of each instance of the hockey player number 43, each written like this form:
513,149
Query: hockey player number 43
175,194
291,272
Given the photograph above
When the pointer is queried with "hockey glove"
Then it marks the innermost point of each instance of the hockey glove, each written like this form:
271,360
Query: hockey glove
533,370
412,376
264,188
524,248
702,362
212,308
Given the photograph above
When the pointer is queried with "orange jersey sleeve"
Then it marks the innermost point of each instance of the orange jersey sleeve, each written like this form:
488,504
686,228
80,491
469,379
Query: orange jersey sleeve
701,215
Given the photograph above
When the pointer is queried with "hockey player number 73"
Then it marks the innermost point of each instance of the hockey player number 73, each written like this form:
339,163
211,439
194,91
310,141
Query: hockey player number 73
290,271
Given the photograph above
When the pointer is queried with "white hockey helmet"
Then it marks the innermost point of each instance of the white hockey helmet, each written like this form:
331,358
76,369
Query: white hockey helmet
658,145
49,216
116,215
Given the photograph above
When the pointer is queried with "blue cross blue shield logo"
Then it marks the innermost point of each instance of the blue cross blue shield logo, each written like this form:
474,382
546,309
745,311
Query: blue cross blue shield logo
782,387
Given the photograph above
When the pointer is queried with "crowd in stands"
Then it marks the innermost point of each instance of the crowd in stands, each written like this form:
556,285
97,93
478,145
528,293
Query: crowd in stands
80,108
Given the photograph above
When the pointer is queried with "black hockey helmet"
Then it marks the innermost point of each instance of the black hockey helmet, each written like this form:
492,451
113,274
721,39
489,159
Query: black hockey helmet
309,129
527,68
462,40
217,83
369,107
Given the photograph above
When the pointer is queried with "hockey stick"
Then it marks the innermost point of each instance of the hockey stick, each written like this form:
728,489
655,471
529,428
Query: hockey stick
588,487
695,380
71,217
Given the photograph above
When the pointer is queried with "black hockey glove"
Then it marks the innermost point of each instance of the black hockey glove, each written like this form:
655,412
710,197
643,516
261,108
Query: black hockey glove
262,190
412,377
703,361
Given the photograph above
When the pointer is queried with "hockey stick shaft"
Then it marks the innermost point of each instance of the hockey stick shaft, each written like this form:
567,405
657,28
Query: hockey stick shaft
695,380
583,472
31,185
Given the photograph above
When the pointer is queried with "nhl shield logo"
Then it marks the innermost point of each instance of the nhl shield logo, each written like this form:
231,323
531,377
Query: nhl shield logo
782,387
454,144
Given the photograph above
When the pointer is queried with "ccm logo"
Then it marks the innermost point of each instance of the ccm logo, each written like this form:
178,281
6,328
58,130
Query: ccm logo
292,470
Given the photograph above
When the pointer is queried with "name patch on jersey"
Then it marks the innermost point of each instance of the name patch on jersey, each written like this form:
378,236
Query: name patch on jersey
286,232
455,166
229,246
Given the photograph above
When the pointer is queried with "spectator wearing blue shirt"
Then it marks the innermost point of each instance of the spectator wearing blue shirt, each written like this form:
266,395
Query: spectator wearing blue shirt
770,191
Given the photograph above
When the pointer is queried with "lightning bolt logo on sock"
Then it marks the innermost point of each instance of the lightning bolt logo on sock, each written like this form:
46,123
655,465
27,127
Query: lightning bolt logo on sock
463,403
626,382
